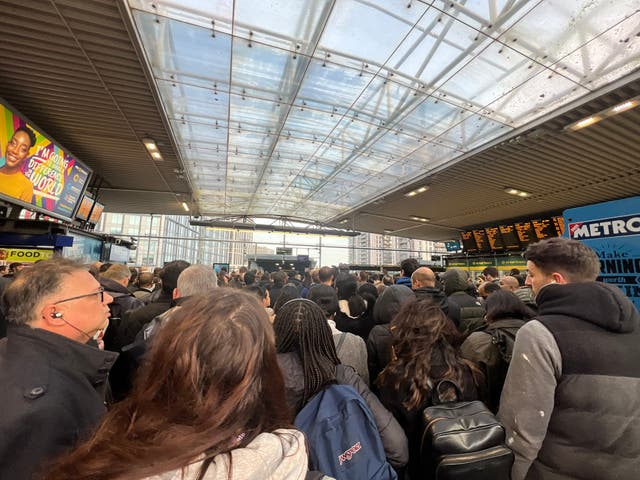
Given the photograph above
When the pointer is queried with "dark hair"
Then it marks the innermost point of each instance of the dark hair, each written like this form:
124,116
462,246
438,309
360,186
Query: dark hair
209,378
145,278
514,271
29,132
279,278
249,278
133,274
325,297
288,292
105,266
520,278
408,266
419,329
491,287
493,271
576,261
347,287
256,289
301,327
505,304
369,293
170,273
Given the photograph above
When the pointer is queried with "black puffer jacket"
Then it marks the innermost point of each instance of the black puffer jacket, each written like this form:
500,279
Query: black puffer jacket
52,396
465,311
393,438
379,341
119,332
434,295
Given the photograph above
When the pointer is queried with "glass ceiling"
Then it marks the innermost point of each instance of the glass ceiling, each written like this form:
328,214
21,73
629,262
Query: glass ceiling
310,108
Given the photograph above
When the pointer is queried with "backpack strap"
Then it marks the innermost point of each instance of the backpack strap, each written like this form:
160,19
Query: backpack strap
340,342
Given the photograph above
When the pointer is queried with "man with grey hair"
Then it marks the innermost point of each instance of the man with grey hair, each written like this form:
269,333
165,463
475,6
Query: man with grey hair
53,374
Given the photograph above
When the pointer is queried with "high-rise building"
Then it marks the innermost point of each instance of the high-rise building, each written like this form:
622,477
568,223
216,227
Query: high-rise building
162,238
375,249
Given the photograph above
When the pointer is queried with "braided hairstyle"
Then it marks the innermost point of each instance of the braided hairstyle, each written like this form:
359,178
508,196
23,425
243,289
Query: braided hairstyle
301,327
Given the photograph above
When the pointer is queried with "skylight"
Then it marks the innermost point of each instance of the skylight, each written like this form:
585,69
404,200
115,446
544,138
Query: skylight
309,109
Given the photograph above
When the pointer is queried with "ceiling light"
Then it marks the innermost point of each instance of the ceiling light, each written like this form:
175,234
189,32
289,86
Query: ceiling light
152,148
415,192
621,107
418,219
422,189
412,193
515,191
185,206
342,222
149,144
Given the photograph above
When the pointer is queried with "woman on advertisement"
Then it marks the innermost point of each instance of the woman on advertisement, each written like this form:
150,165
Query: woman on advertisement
12,181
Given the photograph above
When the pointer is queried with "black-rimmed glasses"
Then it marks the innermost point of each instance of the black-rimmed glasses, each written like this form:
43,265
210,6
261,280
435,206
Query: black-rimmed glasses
99,292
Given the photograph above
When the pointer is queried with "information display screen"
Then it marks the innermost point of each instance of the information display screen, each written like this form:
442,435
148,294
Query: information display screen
495,238
509,237
558,223
468,242
544,228
525,232
35,172
481,240
118,254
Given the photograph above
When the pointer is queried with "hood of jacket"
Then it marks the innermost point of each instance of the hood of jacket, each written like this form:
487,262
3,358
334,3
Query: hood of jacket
454,280
598,303
114,288
281,455
436,295
390,301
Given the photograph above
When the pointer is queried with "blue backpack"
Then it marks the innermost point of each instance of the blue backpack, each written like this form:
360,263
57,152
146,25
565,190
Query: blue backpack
343,437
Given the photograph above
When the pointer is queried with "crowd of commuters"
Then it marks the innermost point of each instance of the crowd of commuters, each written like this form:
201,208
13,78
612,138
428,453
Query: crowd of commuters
182,373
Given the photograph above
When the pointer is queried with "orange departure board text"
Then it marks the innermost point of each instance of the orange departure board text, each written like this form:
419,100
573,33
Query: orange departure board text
525,232
494,238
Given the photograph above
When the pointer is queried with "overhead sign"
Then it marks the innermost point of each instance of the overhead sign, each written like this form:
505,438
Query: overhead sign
612,230
36,172
25,255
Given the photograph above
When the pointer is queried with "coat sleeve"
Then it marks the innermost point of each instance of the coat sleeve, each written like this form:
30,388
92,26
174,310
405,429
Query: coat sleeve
527,399
393,438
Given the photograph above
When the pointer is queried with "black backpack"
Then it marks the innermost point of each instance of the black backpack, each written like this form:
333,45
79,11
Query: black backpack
503,340
462,440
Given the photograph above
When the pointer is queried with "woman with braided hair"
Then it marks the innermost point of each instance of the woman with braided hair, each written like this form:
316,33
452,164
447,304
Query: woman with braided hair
424,351
308,360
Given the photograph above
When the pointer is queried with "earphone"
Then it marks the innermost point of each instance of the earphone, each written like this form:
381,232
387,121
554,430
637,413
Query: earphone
92,337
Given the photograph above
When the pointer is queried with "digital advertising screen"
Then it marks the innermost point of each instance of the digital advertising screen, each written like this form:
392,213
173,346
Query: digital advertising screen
85,248
35,172
96,213
85,208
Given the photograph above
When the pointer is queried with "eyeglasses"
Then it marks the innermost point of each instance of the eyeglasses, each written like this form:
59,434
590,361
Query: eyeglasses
99,292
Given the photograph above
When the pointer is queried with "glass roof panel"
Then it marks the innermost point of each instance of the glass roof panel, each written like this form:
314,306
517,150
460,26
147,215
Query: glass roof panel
315,106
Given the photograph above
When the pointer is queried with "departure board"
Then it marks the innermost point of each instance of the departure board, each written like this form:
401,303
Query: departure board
468,242
494,238
558,222
481,240
544,228
509,237
525,232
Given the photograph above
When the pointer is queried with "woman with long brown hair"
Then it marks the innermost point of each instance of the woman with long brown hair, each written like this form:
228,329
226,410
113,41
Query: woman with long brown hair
424,345
208,404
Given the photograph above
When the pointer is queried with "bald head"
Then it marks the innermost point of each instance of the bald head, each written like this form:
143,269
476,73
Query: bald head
423,277
509,283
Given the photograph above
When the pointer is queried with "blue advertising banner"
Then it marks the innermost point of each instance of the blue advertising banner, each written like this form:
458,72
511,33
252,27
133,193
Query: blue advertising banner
612,229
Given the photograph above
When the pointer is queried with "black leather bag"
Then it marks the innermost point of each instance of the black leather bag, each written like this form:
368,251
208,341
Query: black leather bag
463,440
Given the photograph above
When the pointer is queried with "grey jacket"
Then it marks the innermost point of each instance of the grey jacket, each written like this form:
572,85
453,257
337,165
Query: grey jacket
571,400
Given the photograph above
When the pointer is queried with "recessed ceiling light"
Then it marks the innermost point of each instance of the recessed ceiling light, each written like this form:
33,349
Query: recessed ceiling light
621,107
418,219
515,191
423,189
512,191
412,193
415,192
185,206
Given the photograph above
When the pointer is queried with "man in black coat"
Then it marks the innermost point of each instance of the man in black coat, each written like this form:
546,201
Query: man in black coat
53,374
423,284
